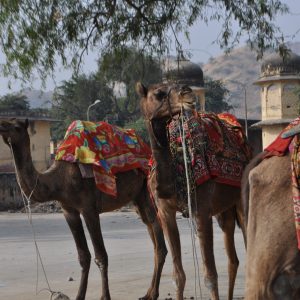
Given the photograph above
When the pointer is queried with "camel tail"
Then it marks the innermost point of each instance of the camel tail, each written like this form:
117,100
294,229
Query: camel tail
245,183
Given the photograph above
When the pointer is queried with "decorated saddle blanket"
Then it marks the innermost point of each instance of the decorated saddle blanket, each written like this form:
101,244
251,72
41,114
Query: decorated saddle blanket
281,147
216,149
109,149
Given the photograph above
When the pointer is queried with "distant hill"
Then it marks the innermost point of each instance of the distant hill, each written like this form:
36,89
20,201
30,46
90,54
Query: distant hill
240,65
37,98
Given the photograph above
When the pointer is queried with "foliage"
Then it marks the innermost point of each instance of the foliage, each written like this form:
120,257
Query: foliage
140,128
72,99
14,102
122,69
34,34
215,96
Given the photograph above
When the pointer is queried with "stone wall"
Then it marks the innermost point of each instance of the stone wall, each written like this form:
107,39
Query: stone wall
10,196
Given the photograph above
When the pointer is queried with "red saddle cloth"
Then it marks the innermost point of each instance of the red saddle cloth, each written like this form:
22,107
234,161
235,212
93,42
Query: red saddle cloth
217,148
109,149
280,146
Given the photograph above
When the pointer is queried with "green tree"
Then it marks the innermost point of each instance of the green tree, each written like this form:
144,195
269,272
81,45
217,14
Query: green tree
215,96
123,68
14,102
34,34
72,98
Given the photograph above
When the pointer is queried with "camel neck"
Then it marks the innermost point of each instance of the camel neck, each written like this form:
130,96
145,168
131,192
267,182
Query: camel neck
162,156
25,169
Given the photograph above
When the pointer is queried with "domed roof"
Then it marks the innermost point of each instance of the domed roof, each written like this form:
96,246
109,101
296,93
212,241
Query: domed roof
182,72
274,65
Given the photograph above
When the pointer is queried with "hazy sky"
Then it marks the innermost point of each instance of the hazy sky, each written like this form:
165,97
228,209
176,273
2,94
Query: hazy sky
202,46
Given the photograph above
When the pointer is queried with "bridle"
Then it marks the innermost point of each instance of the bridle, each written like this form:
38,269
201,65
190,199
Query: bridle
166,99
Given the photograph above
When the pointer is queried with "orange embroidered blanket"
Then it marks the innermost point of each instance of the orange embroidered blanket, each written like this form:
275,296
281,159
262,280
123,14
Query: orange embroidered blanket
110,149
216,148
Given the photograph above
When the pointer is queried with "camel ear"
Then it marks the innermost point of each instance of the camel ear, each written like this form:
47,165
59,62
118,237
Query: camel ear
141,89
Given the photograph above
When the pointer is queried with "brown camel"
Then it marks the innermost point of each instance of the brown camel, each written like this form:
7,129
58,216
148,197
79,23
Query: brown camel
158,104
273,259
78,196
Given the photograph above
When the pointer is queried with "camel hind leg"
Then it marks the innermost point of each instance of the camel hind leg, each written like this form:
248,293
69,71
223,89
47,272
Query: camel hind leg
227,221
148,215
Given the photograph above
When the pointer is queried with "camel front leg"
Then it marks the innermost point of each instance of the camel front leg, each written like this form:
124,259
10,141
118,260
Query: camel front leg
148,214
92,221
84,256
205,234
167,215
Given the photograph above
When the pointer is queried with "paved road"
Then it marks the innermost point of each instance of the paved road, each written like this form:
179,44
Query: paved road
130,259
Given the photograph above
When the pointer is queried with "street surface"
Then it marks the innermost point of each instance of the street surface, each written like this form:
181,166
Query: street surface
130,258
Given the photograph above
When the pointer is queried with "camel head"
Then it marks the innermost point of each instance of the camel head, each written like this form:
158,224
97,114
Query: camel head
13,131
164,101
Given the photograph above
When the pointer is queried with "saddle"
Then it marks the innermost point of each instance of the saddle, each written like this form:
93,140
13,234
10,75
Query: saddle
108,149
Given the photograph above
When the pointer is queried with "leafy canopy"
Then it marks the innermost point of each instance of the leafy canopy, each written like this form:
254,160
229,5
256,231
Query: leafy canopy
72,99
35,34
215,96
127,66
14,102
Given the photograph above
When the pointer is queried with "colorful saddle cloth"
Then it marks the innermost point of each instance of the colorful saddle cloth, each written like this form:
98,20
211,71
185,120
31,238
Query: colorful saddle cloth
216,148
110,150
281,147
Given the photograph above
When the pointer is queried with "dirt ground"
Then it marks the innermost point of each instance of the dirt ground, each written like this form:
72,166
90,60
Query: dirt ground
130,257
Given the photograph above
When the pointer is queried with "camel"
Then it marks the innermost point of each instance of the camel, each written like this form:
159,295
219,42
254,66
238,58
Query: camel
272,259
159,103
80,197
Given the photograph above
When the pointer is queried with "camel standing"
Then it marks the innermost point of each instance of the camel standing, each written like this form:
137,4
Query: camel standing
159,103
80,196
273,259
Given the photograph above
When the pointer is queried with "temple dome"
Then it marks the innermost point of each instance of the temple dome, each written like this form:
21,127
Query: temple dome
275,65
182,71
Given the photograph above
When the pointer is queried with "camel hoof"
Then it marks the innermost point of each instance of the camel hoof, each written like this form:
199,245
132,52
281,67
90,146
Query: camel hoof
59,296
147,297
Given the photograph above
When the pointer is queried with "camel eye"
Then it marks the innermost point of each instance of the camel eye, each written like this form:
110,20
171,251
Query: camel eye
160,94
185,90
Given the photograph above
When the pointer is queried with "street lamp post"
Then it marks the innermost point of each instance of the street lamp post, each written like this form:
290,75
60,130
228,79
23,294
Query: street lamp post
88,109
244,87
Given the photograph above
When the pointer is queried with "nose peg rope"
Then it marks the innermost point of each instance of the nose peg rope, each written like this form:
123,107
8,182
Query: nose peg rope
191,222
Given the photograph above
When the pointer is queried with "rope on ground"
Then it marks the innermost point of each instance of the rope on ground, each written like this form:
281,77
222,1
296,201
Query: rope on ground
27,207
191,222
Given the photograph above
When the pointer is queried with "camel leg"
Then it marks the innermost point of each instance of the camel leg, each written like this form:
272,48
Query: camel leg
205,234
84,256
167,215
148,214
227,224
242,221
92,222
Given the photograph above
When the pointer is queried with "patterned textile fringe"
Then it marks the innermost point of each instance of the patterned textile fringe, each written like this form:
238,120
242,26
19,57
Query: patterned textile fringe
295,159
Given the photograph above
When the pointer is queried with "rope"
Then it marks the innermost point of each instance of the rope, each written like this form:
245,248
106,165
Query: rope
191,223
29,216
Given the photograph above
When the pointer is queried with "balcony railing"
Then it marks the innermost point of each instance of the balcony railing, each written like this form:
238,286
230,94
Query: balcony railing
23,113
